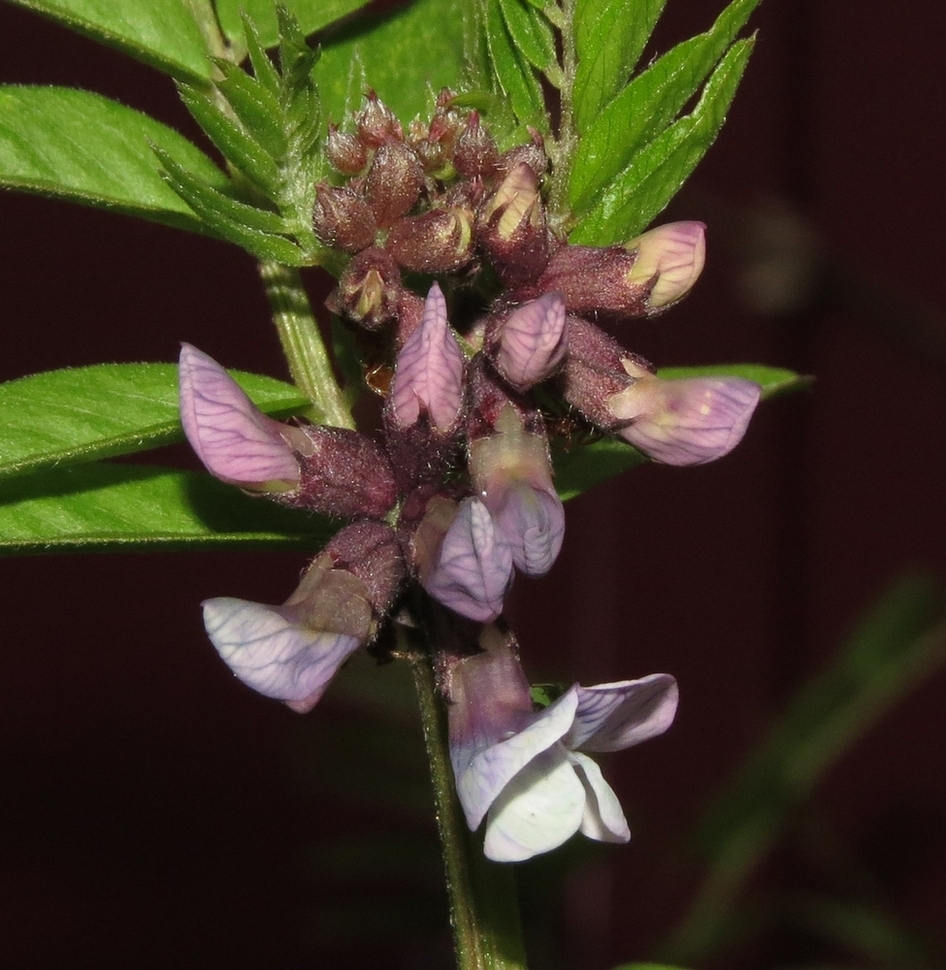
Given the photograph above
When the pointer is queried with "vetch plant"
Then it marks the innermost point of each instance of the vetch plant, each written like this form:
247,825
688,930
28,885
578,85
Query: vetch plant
477,250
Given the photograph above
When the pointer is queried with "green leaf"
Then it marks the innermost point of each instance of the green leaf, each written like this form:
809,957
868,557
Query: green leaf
647,105
580,467
609,38
532,35
256,106
655,175
312,15
514,77
86,148
404,55
84,413
104,507
162,33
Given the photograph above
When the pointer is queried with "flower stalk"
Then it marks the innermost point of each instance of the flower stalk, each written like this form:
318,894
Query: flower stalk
484,909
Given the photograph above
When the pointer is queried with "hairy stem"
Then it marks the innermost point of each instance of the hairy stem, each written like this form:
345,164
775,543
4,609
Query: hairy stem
484,910
302,344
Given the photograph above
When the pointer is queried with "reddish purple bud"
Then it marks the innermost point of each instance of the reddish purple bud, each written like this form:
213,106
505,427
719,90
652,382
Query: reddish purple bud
346,153
529,345
428,376
377,123
511,228
475,155
470,569
438,241
368,290
344,474
342,219
596,279
669,258
394,182
234,439
532,154
685,422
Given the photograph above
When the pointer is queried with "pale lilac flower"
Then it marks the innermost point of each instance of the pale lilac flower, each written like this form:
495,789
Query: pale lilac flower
530,343
684,422
428,375
291,652
522,770
234,439
672,257
512,474
469,569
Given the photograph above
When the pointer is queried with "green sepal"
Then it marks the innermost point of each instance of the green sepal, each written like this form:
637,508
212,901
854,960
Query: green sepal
609,38
80,414
105,507
640,192
648,105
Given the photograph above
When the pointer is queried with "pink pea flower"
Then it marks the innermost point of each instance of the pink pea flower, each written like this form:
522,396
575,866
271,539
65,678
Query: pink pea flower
529,344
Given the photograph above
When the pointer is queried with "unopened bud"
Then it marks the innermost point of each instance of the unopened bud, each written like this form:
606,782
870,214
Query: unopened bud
669,259
529,344
475,155
346,153
377,123
368,290
342,219
393,182
439,241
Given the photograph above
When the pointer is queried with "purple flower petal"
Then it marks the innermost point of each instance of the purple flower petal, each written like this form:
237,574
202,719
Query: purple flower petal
268,649
673,256
231,436
542,807
428,375
686,422
474,566
532,341
533,523
604,818
610,717
482,775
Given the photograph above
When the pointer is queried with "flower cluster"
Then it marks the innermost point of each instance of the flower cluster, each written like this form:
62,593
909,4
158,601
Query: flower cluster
456,494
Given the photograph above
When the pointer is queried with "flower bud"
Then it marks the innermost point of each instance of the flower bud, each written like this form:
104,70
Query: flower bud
438,241
511,228
234,439
670,258
346,153
393,182
685,422
462,559
342,219
529,344
377,123
475,155
595,279
343,474
368,290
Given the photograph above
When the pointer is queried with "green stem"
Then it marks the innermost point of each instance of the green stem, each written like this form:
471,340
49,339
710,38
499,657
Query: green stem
302,344
484,910
567,140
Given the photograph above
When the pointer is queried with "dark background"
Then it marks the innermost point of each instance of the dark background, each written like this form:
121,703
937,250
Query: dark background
156,813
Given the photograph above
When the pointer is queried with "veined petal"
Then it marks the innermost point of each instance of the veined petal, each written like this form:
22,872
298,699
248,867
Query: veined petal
474,566
686,422
532,341
610,717
542,807
268,649
482,776
429,370
533,523
234,439
672,256
604,818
